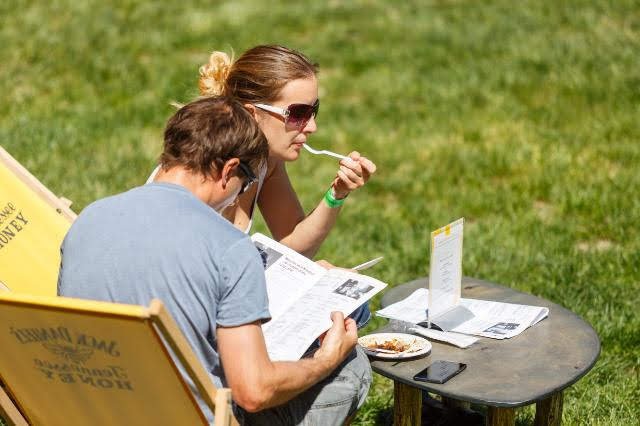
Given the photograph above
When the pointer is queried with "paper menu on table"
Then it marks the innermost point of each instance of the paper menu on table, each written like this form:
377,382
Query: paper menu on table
445,271
445,278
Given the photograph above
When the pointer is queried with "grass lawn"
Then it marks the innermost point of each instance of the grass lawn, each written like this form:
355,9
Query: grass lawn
523,117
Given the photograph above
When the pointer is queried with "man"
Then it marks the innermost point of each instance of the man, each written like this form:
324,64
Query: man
167,240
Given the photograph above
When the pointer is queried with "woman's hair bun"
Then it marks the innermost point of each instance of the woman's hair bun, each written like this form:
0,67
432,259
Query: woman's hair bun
214,74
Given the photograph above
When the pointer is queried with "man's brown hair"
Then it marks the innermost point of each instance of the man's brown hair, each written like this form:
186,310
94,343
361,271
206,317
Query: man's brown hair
205,133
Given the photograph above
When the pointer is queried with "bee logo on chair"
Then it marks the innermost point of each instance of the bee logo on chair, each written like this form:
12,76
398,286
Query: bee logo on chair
77,355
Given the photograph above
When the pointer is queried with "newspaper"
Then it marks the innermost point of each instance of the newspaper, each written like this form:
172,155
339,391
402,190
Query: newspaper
496,320
302,295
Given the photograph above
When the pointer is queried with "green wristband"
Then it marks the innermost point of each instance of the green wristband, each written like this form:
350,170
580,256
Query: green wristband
331,201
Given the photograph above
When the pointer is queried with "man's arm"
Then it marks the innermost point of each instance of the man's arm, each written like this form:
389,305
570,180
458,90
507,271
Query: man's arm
257,383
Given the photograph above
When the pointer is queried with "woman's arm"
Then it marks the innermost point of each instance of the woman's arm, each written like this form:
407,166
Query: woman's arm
285,217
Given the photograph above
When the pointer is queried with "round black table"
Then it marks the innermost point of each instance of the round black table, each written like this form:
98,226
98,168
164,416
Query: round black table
533,367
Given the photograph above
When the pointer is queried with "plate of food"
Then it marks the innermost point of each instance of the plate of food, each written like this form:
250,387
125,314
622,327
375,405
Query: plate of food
394,345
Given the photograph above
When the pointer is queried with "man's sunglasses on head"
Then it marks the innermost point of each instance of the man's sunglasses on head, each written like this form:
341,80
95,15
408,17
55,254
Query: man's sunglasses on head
250,176
295,115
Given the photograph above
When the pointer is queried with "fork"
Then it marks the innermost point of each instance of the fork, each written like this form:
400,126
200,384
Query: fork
325,152
383,351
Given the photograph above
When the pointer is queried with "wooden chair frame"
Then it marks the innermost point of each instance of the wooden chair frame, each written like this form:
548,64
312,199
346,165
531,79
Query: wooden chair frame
60,204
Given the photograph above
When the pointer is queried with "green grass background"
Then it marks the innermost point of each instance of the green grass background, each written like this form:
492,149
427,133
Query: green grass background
523,117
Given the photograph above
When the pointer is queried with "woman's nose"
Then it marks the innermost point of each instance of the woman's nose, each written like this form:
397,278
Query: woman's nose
311,126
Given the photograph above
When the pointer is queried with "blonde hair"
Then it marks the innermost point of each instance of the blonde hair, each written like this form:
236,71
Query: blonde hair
257,75
213,74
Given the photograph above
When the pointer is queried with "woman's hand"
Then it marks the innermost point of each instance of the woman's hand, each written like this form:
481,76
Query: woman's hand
327,265
352,174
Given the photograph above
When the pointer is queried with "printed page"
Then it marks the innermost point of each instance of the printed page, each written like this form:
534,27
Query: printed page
289,335
496,320
412,309
500,320
445,273
288,274
456,339
410,312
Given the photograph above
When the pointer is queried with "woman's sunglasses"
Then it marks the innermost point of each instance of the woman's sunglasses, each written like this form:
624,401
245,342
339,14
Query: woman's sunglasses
250,176
295,115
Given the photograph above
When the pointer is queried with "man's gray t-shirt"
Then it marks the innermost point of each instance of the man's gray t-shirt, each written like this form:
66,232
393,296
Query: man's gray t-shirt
160,241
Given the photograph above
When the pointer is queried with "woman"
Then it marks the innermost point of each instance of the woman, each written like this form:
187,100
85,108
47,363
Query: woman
279,87
274,76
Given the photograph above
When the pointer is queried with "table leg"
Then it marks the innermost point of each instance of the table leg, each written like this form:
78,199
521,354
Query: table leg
501,416
407,405
549,411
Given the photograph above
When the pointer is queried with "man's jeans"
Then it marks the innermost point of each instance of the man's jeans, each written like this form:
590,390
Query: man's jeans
362,315
329,402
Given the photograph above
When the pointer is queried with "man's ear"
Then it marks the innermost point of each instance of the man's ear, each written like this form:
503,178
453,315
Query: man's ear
228,170
252,110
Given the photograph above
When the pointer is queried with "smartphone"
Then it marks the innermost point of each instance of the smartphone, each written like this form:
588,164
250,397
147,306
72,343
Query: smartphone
440,372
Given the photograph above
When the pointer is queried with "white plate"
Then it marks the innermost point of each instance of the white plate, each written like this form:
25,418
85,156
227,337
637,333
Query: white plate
418,346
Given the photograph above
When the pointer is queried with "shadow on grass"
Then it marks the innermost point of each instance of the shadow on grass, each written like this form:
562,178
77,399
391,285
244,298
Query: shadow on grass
434,413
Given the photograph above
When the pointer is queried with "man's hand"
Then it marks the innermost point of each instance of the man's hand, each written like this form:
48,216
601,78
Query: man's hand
339,340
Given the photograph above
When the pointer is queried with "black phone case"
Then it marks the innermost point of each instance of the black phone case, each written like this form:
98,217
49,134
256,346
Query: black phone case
440,371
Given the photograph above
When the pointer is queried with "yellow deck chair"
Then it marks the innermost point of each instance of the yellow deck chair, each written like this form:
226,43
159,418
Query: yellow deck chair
33,223
79,362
